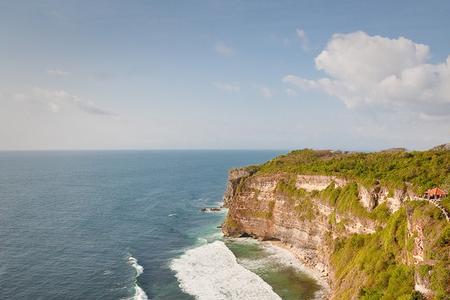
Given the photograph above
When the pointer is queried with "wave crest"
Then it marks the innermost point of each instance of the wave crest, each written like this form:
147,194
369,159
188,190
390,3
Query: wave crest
134,263
139,293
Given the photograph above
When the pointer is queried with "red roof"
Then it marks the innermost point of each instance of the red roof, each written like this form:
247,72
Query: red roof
435,192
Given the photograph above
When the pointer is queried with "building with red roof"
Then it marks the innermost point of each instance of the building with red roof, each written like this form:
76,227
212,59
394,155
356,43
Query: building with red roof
435,193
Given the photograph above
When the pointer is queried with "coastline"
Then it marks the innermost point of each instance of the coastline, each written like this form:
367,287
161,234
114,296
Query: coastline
280,257
321,275
266,265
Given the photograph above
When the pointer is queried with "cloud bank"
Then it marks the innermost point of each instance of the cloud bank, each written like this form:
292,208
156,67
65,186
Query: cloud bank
375,71
56,100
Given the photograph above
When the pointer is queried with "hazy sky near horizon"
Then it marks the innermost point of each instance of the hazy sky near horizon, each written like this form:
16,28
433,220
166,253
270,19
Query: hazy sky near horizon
359,75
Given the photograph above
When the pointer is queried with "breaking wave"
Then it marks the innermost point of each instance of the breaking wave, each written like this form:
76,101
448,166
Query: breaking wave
139,293
212,272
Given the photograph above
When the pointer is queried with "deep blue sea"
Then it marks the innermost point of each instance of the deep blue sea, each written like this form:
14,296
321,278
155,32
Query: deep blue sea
82,225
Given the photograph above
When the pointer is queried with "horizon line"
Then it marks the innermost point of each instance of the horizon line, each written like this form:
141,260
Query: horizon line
203,149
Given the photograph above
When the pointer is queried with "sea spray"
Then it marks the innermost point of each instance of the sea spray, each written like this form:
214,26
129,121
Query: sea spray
212,272
139,292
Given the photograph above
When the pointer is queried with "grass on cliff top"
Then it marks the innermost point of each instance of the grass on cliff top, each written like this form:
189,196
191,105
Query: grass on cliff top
380,265
421,169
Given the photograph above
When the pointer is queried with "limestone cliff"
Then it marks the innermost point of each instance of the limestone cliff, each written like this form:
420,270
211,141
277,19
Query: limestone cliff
258,209
317,215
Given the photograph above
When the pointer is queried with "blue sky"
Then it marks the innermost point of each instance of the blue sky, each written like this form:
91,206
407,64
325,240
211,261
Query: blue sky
224,74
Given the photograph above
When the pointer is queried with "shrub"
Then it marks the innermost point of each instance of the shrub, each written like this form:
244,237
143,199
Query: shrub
421,169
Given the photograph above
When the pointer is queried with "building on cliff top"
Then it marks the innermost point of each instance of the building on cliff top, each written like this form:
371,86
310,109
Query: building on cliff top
435,193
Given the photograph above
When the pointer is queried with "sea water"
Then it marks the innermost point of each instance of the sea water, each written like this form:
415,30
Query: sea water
121,225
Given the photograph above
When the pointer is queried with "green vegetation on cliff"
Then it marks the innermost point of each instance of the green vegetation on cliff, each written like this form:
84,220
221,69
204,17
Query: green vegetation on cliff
380,265
344,199
408,247
420,169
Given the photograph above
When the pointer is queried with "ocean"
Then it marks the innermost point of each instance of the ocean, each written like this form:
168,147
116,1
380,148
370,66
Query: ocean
128,225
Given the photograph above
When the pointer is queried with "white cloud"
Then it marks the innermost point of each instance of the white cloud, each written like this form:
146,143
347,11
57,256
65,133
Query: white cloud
301,34
56,100
266,92
375,71
223,49
300,82
227,87
54,107
433,118
291,92
57,72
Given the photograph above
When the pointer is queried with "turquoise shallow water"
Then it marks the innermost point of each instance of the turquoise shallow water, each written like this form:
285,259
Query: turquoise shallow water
281,271
70,221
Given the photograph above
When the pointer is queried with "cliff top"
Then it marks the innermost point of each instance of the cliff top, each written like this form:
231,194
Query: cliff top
418,170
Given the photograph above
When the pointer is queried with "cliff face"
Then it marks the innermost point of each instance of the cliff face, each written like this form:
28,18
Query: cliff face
300,212
378,195
258,209
235,178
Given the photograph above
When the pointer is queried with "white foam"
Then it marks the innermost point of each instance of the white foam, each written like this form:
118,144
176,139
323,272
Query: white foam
107,272
212,272
221,211
287,258
277,257
139,293
274,257
202,241
134,263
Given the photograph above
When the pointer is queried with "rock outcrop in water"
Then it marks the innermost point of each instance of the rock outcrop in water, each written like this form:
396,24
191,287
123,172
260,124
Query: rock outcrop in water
319,217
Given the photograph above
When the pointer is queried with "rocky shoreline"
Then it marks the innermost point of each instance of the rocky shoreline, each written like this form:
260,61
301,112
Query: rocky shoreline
319,273
320,270
268,258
